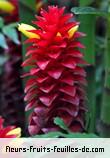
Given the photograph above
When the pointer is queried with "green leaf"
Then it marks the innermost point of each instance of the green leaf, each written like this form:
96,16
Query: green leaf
1,22
69,135
3,43
50,135
88,27
81,135
88,10
58,121
11,33
15,25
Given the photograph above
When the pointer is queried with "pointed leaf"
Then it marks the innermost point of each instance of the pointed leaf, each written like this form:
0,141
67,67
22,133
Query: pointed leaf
88,10
11,33
3,43
58,121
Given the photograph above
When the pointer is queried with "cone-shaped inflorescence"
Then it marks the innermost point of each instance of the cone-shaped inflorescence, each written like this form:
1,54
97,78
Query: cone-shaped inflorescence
55,87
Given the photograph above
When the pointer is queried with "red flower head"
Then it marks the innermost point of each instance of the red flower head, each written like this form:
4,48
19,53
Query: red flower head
56,84
9,132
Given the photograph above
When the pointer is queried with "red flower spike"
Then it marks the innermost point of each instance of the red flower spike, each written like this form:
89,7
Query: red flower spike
56,84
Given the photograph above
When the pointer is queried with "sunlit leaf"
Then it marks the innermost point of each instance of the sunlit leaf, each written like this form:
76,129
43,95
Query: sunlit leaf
11,33
88,10
58,121
3,43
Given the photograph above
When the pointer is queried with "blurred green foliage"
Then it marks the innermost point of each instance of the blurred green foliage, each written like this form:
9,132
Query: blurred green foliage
9,31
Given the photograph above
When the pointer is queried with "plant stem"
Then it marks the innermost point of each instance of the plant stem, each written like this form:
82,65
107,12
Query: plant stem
27,18
27,14
91,95
88,27
105,111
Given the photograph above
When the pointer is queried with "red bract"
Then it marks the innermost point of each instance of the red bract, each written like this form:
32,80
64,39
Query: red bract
9,131
57,79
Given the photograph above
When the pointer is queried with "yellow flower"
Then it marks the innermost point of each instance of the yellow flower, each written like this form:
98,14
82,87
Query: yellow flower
25,28
16,132
72,31
6,6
